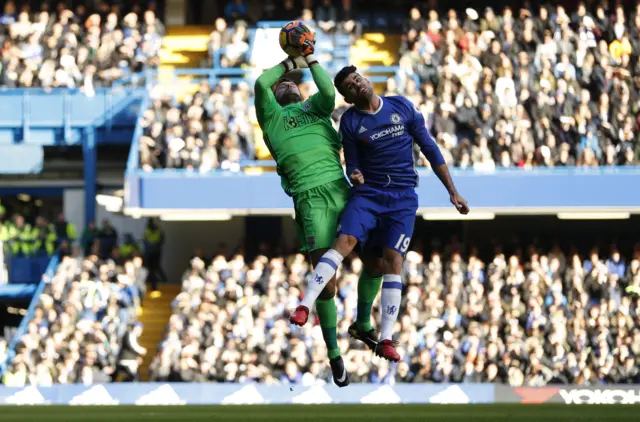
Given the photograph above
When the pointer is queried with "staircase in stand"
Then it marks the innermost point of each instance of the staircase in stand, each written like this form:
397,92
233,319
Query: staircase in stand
184,47
375,49
155,316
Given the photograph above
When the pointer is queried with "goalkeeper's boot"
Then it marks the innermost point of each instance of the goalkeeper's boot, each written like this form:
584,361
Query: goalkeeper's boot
300,316
387,349
370,338
340,374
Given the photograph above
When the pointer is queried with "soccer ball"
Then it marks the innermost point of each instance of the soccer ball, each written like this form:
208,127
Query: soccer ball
290,36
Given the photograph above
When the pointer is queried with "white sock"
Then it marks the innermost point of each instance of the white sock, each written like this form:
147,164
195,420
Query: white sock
390,304
325,270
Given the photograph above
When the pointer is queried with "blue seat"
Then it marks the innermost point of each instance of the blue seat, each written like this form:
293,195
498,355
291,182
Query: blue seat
381,20
397,20
365,19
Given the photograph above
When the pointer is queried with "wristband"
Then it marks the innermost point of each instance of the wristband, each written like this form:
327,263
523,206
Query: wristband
291,63
300,62
288,64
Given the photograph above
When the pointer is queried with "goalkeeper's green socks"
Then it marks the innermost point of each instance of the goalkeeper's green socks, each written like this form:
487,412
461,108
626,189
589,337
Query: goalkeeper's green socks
368,288
328,315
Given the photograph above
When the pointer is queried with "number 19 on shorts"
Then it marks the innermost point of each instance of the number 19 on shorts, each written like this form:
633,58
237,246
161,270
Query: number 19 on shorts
403,243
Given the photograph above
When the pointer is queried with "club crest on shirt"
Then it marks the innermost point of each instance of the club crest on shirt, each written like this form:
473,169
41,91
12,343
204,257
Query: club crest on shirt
395,118
306,105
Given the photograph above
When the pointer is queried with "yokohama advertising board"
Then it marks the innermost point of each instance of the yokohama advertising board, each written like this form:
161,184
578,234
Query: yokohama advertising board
612,394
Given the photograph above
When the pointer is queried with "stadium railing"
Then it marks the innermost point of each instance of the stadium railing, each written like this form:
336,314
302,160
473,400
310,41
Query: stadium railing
22,328
58,116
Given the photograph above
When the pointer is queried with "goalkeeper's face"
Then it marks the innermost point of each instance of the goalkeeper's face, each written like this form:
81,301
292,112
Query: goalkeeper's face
287,92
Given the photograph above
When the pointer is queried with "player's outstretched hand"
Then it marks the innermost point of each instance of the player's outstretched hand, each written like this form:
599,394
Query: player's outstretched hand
460,204
308,47
356,178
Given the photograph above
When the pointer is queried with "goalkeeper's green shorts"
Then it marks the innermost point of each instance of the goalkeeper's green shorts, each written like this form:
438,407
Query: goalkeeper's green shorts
318,212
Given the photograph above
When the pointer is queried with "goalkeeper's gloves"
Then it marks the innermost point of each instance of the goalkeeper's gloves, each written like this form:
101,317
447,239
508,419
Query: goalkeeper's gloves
293,63
308,47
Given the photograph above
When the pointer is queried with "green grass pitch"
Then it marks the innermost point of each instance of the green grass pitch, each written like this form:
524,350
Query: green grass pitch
325,413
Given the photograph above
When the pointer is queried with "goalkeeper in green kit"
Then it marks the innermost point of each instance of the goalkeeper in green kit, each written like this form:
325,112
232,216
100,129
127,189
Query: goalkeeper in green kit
306,148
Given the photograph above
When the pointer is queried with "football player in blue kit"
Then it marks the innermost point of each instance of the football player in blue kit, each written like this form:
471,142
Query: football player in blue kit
377,135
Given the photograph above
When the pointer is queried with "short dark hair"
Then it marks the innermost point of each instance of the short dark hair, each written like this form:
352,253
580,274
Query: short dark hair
342,75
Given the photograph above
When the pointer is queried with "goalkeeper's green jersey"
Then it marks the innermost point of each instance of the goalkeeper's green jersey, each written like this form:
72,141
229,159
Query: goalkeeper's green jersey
300,136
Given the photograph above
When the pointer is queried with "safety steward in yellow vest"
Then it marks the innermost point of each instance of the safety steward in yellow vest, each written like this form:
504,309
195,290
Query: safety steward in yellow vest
4,229
65,230
129,247
152,239
44,237
19,234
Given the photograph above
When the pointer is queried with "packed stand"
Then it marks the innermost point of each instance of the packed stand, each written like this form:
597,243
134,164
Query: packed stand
544,318
335,26
526,88
209,129
81,48
228,46
84,329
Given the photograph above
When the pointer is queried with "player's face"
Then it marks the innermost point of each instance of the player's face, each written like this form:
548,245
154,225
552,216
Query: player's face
356,88
287,92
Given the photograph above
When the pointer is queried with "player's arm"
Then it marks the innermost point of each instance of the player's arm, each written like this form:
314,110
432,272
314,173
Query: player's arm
325,99
430,149
350,148
265,101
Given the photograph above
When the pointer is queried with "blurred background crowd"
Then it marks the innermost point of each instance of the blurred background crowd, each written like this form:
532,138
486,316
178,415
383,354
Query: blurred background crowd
51,47
540,86
529,87
208,130
532,318
84,328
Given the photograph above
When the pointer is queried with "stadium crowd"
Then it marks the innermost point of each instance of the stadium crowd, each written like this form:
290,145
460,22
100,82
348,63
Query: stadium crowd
84,328
82,48
209,129
231,42
510,88
542,318
528,87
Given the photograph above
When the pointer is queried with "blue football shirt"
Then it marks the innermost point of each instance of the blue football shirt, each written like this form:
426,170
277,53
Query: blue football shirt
380,144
